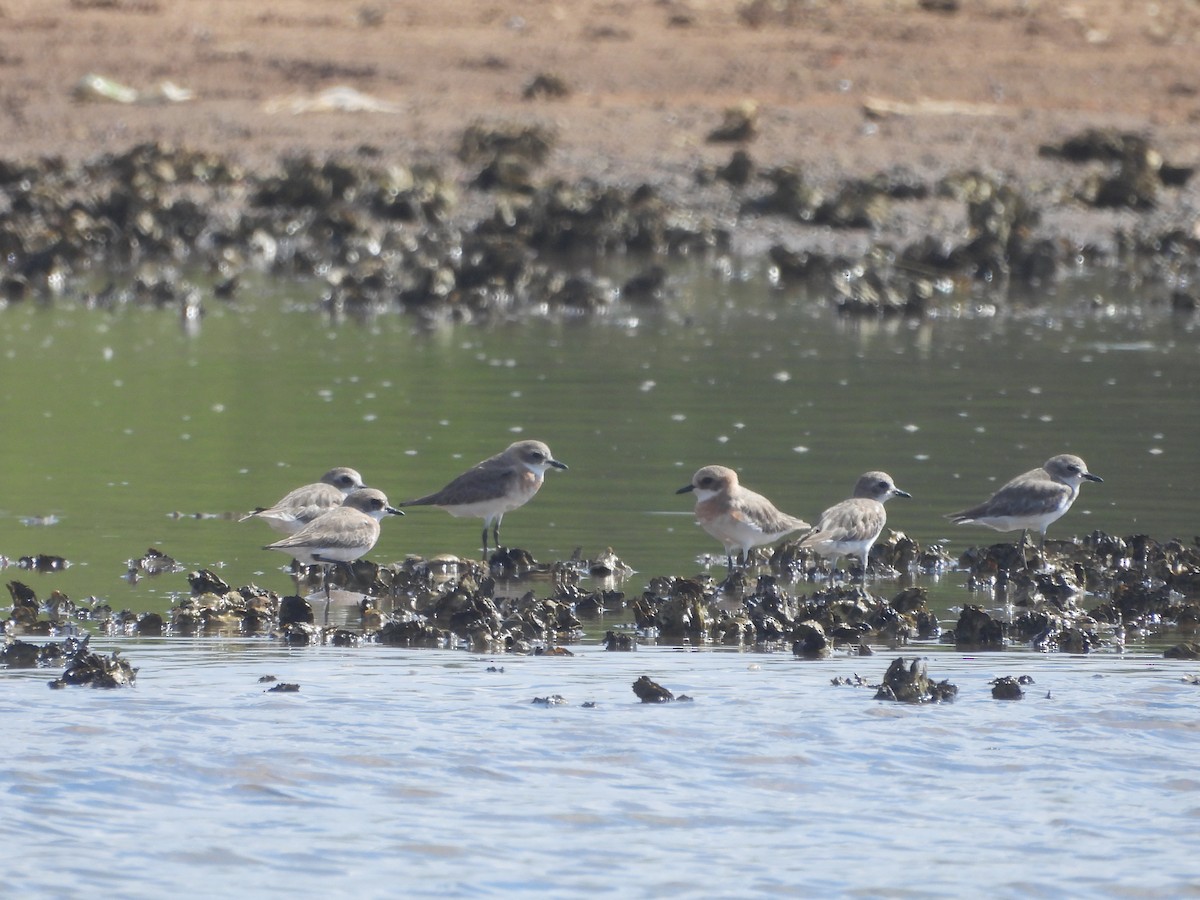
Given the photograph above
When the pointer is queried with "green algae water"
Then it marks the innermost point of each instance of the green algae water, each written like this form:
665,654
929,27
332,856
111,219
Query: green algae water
133,429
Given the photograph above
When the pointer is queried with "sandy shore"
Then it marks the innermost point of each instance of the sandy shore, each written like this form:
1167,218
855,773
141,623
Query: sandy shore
840,89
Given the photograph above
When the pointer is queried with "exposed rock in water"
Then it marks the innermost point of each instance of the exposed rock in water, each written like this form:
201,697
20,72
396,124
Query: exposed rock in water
909,683
1186,650
619,642
84,667
651,692
977,630
1007,687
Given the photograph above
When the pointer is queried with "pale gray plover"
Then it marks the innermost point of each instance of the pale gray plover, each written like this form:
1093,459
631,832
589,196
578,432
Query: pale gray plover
299,507
341,535
1031,500
851,527
496,486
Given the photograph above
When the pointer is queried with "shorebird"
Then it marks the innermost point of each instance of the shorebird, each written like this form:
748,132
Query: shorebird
342,535
299,507
736,516
851,527
498,485
1032,500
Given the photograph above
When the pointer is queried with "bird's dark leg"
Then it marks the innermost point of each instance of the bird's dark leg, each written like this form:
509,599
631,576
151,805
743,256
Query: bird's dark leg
496,534
1024,534
484,539
325,581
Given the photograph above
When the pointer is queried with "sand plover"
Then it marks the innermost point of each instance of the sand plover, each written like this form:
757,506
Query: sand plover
498,485
342,535
299,507
851,527
736,516
1032,500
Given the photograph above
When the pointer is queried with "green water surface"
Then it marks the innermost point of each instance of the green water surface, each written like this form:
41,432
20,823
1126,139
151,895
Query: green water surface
117,421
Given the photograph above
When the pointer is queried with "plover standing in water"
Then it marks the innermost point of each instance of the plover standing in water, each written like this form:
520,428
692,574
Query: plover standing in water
498,485
299,507
736,516
851,527
1032,500
342,535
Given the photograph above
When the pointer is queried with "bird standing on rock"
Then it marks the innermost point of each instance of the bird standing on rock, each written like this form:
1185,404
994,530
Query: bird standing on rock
495,486
736,516
342,535
1031,500
850,528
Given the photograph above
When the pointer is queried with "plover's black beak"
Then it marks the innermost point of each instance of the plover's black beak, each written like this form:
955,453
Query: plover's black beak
556,464
684,490
899,493
1090,477
392,511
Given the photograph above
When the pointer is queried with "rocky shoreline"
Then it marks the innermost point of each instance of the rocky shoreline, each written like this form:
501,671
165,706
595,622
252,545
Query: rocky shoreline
178,229
1072,597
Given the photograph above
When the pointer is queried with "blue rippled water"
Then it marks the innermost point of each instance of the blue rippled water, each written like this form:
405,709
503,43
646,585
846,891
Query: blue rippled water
422,773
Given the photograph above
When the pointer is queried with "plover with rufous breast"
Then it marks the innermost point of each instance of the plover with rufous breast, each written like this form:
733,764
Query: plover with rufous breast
736,516
851,527
341,535
1034,499
299,507
496,486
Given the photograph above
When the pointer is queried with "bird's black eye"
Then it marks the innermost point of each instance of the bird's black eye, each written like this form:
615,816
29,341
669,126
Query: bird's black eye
884,486
705,482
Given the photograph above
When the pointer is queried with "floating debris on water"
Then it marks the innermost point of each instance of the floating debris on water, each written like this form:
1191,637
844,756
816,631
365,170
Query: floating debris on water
855,680
39,521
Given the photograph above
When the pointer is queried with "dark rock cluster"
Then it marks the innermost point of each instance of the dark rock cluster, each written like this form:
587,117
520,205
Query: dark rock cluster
506,238
1070,596
379,237
770,615
649,691
93,669
1143,587
909,682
